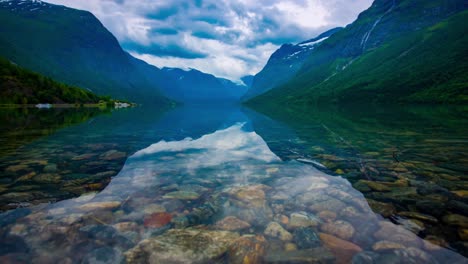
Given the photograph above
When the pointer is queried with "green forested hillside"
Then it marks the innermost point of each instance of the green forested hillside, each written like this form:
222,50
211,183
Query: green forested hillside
73,47
424,65
20,86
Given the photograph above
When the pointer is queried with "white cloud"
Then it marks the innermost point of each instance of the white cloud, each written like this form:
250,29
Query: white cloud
237,37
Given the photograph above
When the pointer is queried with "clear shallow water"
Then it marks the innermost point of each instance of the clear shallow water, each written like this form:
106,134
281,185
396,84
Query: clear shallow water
197,185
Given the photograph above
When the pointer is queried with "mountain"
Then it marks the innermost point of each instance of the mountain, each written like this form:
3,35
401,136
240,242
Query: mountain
73,47
287,60
193,86
20,86
395,52
248,80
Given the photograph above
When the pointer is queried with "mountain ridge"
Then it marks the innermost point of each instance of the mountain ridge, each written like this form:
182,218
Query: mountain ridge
380,29
72,46
288,59
194,86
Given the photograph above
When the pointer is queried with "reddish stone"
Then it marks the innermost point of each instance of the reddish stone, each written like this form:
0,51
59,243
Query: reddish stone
157,220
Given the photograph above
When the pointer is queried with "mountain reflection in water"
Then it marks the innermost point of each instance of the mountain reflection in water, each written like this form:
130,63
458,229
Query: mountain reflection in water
214,197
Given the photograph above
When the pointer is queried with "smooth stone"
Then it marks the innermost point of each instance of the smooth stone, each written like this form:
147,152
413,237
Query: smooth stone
57,211
232,223
456,220
125,226
317,185
247,249
84,157
157,220
50,168
182,195
412,225
19,230
375,186
284,220
47,178
434,243
343,250
313,255
350,212
305,237
26,177
272,170
113,155
16,168
249,196
419,216
332,204
182,246
327,216
386,245
463,234
276,230
361,186
391,232
100,206
340,228
302,219
154,208
105,174
384,209
290,247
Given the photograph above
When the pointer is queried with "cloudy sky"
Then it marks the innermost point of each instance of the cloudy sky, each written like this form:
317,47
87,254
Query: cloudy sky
227,38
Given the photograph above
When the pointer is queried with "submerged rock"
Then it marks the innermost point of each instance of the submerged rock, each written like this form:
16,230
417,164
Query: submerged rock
113,155
100,206
389,231
343,250
252,196
182,246
341,229
232,223
305,237
247,249
182,195
384,209
276,230
302,219
386,245
419,216
314,255
456,220
157,220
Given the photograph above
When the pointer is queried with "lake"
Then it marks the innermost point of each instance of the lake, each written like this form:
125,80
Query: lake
228,184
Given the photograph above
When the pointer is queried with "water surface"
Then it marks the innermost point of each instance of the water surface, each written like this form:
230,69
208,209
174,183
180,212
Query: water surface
227,184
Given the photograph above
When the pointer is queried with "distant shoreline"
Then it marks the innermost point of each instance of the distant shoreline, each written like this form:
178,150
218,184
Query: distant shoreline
61,106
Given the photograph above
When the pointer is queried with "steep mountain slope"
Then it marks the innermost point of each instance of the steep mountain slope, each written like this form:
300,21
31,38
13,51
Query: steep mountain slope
287,60
248,80
20,86
194,86
396,51
72,46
